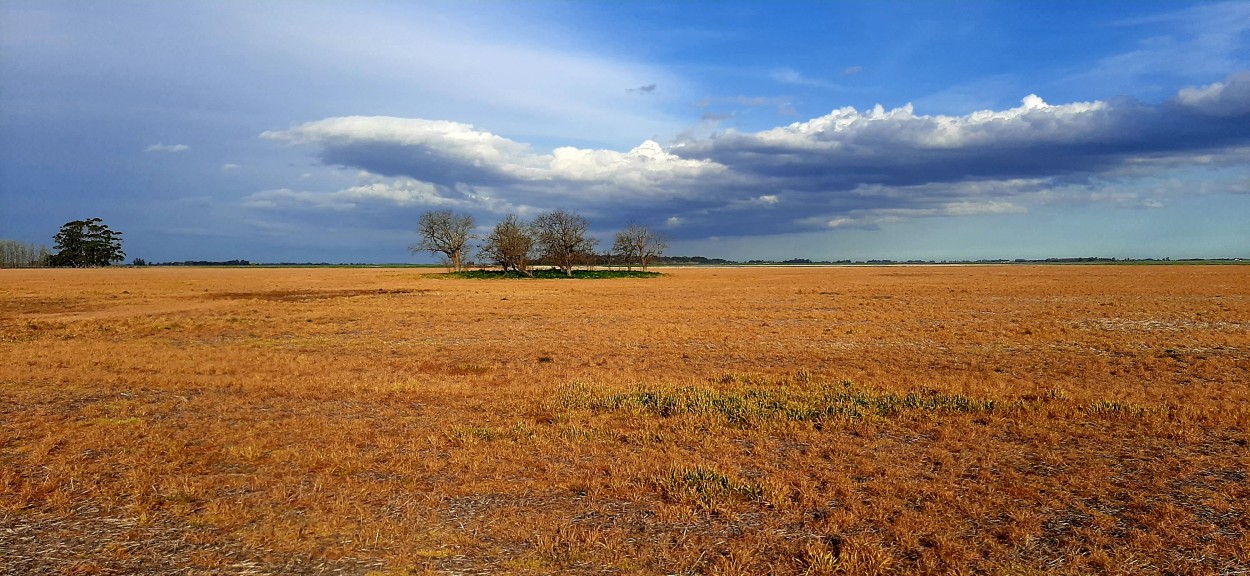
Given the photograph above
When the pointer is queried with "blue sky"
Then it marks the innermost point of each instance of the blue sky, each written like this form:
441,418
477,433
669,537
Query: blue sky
759,130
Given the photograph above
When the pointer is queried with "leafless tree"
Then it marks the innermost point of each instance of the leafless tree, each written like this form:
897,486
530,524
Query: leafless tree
511,245
639,243
14,254
443,232
562,238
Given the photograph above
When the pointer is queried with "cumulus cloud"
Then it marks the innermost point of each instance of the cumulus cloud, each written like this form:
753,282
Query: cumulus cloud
844,169
1229,99
848,148
168,148
452,154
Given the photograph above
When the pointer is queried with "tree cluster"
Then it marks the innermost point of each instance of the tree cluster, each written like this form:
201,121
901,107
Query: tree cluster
559,238
14,254
79,244
638,244
86,243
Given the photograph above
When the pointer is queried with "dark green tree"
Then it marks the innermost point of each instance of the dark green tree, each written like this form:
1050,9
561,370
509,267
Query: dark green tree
83,243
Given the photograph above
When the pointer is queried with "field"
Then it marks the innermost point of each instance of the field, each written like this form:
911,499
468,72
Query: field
872,420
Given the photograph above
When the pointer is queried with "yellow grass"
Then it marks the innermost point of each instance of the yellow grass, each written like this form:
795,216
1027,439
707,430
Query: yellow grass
1003,420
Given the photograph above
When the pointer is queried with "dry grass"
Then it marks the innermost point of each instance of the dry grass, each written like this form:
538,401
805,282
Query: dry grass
1004,420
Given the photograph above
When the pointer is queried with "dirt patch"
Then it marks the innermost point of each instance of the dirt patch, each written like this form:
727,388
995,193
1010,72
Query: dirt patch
90,543
307,295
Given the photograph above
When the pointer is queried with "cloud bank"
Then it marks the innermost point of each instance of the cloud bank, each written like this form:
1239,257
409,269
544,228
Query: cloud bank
844,169
168,148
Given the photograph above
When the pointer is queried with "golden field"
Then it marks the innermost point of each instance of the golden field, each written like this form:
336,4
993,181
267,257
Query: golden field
872,420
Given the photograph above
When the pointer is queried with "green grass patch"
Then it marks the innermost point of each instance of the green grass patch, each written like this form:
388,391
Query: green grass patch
547,274
706,487
756,401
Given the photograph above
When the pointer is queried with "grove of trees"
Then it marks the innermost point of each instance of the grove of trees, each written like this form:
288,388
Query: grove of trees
562,238
14,254
638,244
79,244
559,238
84,243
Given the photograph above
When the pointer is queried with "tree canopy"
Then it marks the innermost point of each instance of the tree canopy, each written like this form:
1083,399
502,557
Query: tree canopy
85,243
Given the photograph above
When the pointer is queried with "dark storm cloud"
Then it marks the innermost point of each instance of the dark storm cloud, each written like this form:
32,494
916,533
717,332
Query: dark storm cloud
847,149
845,169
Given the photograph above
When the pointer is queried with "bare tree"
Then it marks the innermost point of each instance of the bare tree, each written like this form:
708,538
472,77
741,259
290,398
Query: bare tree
562,238
444,233
511,245
638,242
14,254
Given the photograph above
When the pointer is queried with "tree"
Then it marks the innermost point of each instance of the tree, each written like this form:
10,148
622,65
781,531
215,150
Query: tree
444,233
511,245
83,243
562,238
638,242
14,254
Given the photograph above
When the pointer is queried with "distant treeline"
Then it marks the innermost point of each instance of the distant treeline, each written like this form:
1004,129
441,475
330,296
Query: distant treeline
142,262
14,254
678,260
608,261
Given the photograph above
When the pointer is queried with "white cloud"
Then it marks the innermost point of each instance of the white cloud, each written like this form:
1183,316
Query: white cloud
1231,97
397,192
1192,43
1034,120
968,208
847,169
168,148
450,153
230,166
794,77
453,61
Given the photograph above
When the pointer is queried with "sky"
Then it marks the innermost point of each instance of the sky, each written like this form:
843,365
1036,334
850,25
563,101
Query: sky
321,131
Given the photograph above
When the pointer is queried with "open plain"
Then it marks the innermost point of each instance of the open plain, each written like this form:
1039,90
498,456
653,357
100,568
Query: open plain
857,420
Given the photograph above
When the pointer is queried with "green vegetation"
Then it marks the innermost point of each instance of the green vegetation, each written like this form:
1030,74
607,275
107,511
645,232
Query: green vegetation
707,488
752,401
87,243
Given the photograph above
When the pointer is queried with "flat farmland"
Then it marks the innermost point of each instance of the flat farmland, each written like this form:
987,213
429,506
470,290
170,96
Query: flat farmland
875,420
